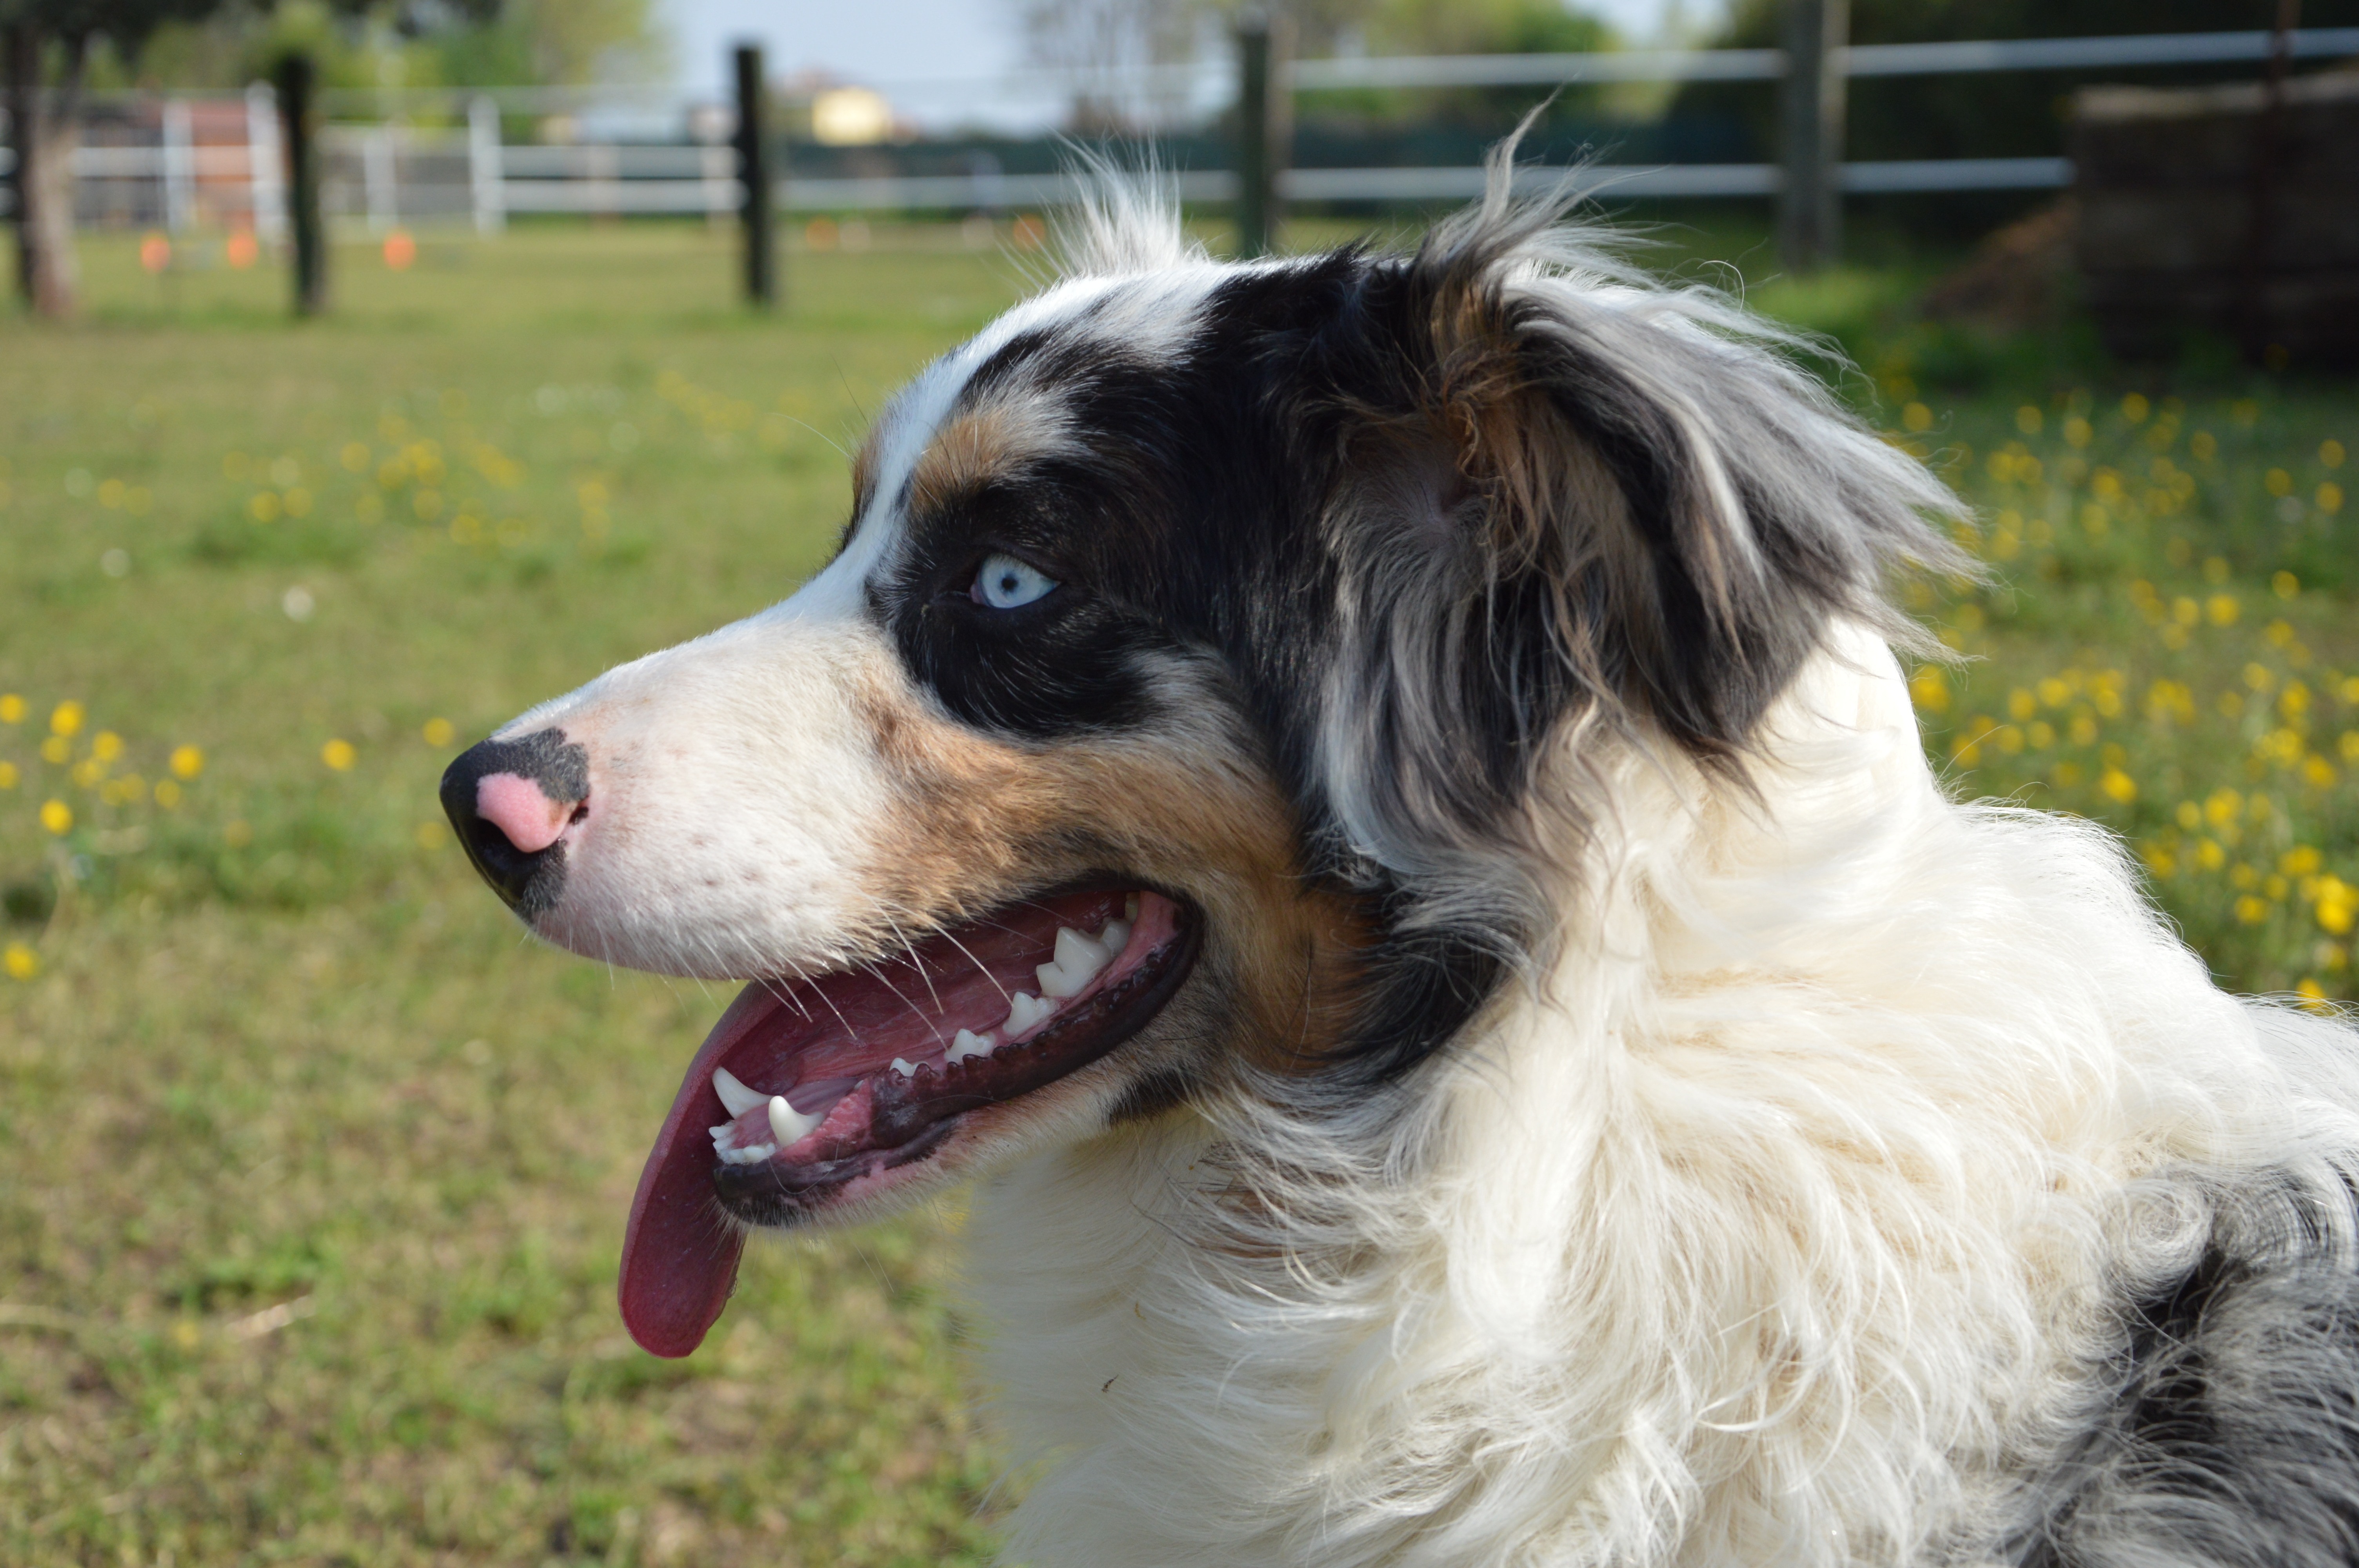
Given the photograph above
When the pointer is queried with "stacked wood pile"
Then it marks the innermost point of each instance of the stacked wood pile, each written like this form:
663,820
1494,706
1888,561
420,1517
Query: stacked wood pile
2220,210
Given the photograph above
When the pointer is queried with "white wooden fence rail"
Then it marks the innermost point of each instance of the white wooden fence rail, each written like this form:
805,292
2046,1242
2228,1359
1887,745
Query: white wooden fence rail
389,173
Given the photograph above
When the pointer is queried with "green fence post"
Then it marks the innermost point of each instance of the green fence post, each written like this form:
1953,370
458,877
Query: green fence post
753,172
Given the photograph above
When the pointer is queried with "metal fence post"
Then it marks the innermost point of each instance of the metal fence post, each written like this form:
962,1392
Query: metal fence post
297,76
1265,120
754,173
179,167
1810,215
266,194
484,191
379,178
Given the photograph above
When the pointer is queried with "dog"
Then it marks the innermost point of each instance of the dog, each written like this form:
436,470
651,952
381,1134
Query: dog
1369,802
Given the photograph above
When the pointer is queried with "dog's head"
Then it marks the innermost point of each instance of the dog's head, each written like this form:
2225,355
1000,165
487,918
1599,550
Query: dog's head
1199,693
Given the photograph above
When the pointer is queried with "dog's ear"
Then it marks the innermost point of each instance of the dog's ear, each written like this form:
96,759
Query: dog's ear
1577,499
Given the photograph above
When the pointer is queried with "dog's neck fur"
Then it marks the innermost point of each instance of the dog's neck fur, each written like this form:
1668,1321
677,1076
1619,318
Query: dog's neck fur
1792,1315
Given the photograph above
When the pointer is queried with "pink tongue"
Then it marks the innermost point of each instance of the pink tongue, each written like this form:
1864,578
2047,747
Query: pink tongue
680,1253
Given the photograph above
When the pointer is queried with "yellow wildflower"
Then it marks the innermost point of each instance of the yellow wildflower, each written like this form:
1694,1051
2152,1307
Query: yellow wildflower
339,756
439,732
57,817
187,761
12,707
2337,903
21,962
65,719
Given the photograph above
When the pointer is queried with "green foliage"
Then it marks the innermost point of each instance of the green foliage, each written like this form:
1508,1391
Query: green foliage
1979,113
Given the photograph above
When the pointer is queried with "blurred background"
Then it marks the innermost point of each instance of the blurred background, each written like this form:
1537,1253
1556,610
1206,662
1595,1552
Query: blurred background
379,369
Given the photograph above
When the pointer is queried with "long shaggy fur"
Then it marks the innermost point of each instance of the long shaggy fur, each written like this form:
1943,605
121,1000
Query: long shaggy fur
1625,1113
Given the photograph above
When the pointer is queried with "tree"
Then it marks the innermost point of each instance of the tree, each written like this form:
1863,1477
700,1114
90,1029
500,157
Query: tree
44,119
50,46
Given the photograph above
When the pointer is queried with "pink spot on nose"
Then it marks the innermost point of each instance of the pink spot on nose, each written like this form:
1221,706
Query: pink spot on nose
515,805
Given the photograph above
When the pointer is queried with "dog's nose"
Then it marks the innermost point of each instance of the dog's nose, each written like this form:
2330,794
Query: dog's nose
511,802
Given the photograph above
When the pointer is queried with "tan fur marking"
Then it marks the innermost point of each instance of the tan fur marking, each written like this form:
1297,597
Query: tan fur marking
983,820
977,446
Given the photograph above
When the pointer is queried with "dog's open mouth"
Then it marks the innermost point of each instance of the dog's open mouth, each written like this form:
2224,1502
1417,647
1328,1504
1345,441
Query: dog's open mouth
813,1093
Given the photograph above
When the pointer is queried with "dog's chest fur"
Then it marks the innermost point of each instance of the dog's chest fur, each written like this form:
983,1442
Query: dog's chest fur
1749,1234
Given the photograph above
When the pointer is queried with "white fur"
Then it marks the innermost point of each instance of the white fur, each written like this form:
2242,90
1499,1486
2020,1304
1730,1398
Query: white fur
1779,1212
1772,1225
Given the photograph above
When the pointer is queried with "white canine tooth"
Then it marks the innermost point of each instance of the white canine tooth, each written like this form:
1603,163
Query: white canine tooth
1115,938
967,1042
1025,1010
788,1125
734,1093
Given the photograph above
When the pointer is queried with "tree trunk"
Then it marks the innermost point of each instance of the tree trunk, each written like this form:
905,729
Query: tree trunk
46,135
22,48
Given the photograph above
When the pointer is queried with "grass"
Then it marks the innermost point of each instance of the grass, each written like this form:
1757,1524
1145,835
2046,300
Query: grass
318,1172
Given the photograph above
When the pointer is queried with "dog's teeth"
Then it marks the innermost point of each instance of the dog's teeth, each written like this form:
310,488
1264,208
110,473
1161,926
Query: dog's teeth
734,1093
724,1136
1077,963
788,1125
1115,938
1130,909
967,1042
1024,1010
904,1066
757,1154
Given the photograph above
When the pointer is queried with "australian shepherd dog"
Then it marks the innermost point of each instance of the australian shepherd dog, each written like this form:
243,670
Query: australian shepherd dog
1369,803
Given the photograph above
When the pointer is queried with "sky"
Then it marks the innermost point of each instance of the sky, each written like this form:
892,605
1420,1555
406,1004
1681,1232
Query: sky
899,43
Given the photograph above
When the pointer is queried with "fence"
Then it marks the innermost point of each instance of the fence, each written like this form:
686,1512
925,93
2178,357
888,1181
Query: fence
180,161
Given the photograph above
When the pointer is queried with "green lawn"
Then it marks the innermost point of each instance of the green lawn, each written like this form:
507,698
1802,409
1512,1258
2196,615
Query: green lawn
316,1170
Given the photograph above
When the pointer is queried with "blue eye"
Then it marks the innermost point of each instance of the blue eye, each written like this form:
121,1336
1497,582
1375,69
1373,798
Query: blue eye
1007,583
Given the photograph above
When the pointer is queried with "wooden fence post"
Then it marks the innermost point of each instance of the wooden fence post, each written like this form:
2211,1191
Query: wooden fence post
754,173
298,119
1810,212
1265,125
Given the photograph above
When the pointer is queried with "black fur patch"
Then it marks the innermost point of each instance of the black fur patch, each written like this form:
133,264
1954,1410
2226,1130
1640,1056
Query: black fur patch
1284,492
2231,1435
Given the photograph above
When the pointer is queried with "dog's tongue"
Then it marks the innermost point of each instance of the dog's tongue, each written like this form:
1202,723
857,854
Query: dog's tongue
679,1254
